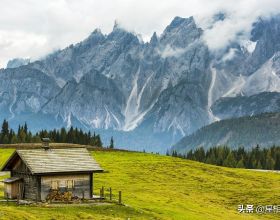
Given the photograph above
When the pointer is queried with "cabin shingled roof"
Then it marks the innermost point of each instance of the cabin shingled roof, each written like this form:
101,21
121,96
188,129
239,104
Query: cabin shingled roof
41,161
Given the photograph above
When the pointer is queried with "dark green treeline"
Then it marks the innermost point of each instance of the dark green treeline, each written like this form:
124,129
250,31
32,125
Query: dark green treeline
72,135
256,158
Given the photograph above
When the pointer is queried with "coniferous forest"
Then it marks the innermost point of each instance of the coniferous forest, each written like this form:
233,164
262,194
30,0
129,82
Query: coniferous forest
256,158
72,135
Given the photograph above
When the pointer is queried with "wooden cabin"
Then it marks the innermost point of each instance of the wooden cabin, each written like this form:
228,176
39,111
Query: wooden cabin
37,172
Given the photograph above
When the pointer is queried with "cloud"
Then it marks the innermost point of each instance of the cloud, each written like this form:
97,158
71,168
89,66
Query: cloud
33,28
20,44
229,55
168,51
237,25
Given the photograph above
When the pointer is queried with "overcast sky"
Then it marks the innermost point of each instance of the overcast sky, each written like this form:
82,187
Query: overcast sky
34,28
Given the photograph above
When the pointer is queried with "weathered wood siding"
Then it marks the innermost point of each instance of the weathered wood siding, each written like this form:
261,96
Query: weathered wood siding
82,184
31,182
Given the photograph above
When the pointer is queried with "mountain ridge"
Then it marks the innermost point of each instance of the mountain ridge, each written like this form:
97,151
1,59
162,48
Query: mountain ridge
247,131
168,86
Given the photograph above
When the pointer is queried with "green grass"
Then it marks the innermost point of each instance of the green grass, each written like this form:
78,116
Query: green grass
69,212
161,187
173,188
4,155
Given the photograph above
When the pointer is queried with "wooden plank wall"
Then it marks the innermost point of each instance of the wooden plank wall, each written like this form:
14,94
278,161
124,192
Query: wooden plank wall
30,182
81,188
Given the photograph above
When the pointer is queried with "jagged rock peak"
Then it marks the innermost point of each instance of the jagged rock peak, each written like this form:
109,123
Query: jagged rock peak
17,62
119,29
220,16
154,39
178,26
116,25
96,34
97,31
179,21
94,38
180,32
120,34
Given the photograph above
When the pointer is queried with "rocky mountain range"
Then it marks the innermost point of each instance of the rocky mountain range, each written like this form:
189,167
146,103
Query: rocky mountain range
146,94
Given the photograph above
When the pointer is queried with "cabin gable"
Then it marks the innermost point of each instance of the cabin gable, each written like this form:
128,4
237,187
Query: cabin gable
30,182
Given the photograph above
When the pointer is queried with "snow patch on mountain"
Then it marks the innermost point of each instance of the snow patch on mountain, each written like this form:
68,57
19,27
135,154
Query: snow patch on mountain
132,113
12,103
142,90
34,103
77,76
60,82
210,93
110,117
237,87
175,126
68,121
248,45
96,122
131,110
263,80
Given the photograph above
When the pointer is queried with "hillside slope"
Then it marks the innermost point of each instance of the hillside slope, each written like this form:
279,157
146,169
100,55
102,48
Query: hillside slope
161,187
239,106
263,129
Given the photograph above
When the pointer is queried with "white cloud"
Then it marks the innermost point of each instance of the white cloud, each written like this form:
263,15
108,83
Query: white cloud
230,54
171,52
237,24
32,28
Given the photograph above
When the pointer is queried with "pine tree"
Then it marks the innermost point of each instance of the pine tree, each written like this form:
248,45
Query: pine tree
11,134
229,161
14,139
111,143
5,128
190,155
22,136
240,164
63,135
199,154
270,163
259,165
211,159
98,141
277,161
18,131
4,137
25,128
174,153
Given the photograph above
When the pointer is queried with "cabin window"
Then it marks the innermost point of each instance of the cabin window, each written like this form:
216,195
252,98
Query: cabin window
70,184
54,185
62,184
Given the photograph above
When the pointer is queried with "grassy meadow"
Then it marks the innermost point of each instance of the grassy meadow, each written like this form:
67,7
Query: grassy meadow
161,187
